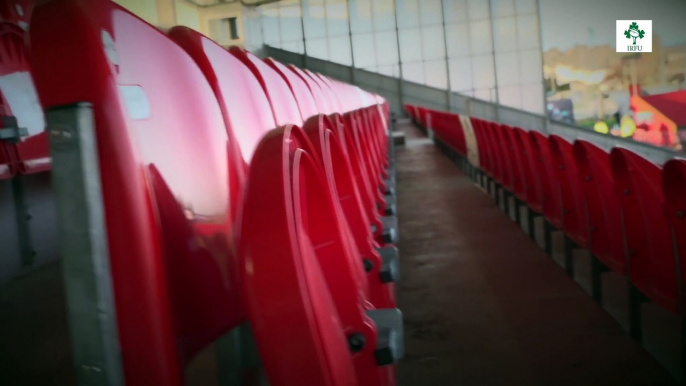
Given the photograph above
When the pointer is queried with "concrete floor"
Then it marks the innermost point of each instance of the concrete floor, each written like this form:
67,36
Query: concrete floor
483,304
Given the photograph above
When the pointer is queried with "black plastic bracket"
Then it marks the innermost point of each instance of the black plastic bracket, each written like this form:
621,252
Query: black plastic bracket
390,229
390,343
390,264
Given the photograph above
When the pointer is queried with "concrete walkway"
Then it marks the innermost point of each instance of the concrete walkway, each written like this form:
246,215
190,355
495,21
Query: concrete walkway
483,304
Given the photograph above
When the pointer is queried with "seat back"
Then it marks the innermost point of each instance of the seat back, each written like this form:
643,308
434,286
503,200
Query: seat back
17,12
303,95
333,99
571,202
323,103
276,88
294,318
19,106
244,104
531,192
481,144
165,161
496,156
513,163
549,192
674,190
344,188
505,160
651,265
601,209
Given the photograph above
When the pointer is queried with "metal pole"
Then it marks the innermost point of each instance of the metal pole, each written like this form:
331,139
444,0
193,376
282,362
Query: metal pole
353,79
401,88
85,254
495,64
546,128
302,26
449,91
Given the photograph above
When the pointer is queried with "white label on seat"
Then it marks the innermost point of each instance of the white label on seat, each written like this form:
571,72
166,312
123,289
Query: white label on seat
137,103
21,96
108,45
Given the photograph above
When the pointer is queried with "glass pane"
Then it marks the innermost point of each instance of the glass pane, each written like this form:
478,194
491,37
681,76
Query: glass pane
507,69
480,36
270,27
478,9
339,49
461,75
360,16
455,10
532,98
510,96
317,48
413,72
458,40
290,24
527,32
431,12
433,46
505,34
386,48
384,15
483,71
337,17
502,8
435,74
525,7
315,26
410,45
408,13
363,49
530,67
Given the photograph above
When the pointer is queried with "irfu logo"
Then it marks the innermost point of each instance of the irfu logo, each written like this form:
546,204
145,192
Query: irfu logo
634,32
634,36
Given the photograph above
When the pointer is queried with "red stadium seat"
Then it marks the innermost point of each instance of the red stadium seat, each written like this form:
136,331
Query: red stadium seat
324,104
601,206
303,226
674,190
17,12
531,190
651,265
381,265
566,177
303,95
275,87
384,229
19,106
165,182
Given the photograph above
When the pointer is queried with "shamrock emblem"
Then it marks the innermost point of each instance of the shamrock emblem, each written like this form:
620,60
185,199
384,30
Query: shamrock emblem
634,32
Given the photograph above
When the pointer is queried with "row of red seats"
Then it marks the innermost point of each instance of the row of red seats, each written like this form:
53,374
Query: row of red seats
27,153
628,211
233,189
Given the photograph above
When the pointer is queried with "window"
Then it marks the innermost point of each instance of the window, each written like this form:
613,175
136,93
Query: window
233,27
224,31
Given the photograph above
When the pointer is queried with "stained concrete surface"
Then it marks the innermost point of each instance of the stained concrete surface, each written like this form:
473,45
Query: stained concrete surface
483,304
